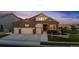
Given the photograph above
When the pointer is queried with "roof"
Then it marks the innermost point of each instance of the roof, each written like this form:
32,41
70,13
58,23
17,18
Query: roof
38,15
8,14
44,15
53,20
23,21
32,20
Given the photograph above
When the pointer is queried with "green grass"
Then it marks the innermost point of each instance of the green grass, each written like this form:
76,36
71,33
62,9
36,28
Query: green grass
72,38
58,44
59,39
2,34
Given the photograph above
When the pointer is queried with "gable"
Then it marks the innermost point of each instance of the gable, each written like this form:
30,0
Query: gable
9,18
41,17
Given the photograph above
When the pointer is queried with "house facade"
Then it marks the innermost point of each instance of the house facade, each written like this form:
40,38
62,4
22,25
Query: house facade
7,20
67,26
35,25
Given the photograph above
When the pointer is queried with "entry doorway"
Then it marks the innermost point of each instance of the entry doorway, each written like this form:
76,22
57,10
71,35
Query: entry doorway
44,27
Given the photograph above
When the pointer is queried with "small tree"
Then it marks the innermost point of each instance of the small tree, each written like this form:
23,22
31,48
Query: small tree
73,27
62,30
65,28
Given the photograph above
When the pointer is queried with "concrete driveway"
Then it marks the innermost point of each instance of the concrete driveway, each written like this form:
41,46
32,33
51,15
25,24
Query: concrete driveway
24,39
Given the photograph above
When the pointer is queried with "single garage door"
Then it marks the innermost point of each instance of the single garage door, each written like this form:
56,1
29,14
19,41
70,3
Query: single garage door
38,31
16,30
27,30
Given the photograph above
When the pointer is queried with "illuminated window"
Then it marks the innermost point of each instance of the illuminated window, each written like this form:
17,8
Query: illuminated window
52,27
26,25
40,18
39,25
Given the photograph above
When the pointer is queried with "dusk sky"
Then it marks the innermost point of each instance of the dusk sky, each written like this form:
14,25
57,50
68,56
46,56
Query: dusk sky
65,17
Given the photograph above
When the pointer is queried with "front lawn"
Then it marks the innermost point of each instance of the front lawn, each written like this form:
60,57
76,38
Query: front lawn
2,34
53,39
58,44
72,38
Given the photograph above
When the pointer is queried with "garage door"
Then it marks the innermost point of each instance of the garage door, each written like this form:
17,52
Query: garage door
27,30
38,30
16,30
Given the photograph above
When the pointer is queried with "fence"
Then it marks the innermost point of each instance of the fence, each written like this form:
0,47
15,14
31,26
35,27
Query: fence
63,36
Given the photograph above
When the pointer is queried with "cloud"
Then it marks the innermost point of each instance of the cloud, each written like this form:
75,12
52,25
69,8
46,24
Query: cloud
62,17
65,18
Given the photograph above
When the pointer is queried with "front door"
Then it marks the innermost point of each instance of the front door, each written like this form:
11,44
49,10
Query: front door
44,27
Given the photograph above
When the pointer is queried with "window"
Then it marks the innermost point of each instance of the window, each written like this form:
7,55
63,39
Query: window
39,25
41,18
52,27
26,25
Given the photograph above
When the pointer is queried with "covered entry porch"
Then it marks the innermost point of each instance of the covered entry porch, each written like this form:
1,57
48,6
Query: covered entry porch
40,28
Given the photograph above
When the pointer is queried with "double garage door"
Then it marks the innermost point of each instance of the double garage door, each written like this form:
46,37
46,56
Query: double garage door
27,31
23,31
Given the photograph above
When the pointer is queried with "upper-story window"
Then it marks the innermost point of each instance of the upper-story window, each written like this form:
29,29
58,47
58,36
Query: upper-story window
41,18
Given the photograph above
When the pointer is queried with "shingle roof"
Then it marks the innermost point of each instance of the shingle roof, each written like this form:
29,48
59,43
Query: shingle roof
44,15
8,14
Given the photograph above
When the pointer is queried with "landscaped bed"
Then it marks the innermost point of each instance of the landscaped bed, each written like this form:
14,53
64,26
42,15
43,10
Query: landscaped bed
2,34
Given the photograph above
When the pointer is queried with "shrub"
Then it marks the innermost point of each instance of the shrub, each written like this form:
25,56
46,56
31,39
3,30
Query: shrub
52,32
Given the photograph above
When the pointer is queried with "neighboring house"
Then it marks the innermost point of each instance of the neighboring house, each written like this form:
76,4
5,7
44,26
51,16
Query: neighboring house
36,24
77,26
67,26
7,21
